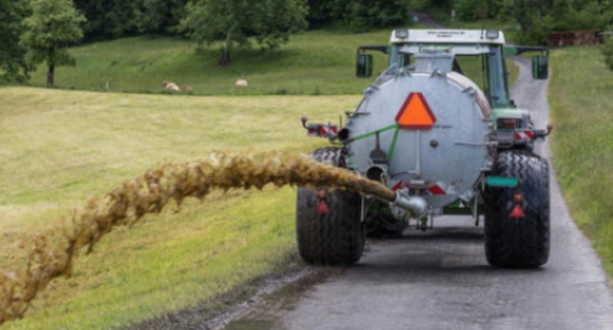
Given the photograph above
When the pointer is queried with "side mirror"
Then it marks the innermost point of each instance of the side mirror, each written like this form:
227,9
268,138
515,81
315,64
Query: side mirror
364,66
540,68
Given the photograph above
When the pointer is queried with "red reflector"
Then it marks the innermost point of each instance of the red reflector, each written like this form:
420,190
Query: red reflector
323,208
524,135
415,113
322,130
436,190
517,212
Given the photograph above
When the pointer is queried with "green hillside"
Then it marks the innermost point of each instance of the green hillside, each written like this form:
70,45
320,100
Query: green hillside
313,63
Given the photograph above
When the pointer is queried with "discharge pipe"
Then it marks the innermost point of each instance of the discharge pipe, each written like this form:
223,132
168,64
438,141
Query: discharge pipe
401,203
405,205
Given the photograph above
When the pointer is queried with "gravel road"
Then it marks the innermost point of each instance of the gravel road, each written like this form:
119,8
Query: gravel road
440,279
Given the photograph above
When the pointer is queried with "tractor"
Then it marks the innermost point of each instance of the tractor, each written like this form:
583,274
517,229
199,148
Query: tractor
439,128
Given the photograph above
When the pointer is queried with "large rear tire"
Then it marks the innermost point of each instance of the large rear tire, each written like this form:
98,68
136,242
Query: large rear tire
512,242
333,238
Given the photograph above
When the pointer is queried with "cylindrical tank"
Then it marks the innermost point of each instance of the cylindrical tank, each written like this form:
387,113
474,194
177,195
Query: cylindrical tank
426,130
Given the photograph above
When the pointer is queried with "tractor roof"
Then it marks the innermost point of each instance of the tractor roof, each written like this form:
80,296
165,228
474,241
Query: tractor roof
442,36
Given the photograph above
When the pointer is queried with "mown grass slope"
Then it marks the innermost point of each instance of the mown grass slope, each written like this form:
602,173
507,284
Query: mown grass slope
318,62
580,100
61,146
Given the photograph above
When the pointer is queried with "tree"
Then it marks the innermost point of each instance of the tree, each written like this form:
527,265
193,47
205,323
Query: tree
53,25
363,15
149,15
472,10
607,48
532,17
320,11
117,18
418,5
13,66
268,22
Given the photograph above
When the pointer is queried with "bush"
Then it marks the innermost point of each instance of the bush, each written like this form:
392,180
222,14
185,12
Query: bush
360,15
537,35
419,4
607,50
364,15
506,10
471,10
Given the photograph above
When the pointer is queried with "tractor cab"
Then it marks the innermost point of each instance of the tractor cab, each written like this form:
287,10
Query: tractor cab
478,54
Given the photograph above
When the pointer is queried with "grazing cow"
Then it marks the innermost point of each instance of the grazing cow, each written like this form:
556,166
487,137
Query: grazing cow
241,83
170,86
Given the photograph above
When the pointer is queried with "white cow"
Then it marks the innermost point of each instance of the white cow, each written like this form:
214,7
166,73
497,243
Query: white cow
170,86
241,83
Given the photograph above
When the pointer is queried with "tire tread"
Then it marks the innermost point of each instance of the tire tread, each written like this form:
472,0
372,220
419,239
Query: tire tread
334,238
518,242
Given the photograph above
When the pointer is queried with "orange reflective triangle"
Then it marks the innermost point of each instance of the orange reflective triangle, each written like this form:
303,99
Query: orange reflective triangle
415,113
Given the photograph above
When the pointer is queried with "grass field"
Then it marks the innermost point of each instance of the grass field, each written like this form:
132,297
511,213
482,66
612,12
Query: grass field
61,146
318,62
313,63
580,100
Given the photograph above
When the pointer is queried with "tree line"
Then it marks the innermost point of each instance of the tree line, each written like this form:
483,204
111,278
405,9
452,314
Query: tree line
116,18
538,18
36,31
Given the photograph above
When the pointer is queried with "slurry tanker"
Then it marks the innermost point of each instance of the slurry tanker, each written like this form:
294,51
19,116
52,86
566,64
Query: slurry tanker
439,128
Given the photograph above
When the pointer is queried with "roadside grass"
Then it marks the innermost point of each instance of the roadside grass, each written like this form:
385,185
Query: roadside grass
580,100
61,146
313,63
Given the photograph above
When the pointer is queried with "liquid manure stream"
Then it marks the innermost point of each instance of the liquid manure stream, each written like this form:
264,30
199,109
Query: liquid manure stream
52,255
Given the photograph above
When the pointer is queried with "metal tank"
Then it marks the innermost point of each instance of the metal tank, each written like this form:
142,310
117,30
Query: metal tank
445,147
423,128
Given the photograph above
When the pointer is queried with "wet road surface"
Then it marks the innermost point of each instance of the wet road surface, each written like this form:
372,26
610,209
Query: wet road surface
440,279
